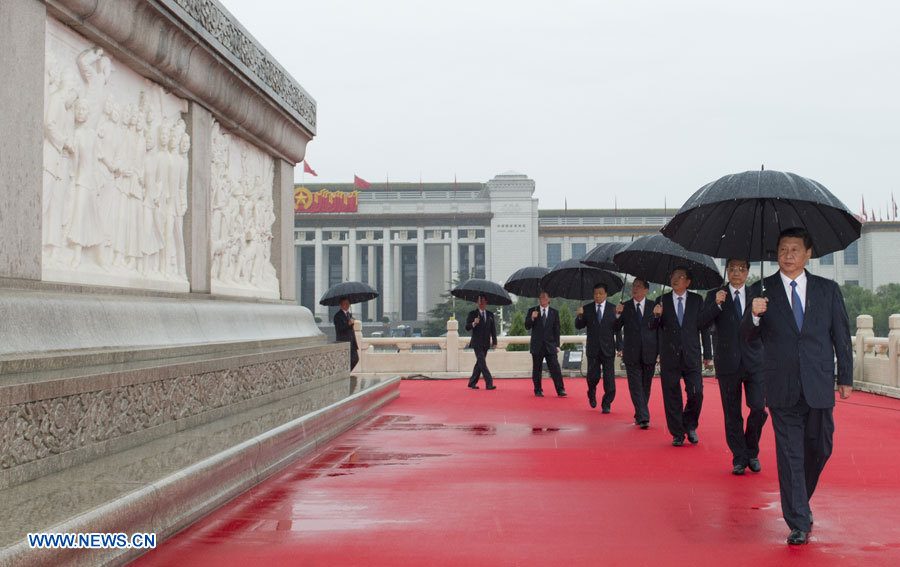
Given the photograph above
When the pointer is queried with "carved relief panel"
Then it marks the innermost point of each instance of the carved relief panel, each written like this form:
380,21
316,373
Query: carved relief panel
115,171
243,213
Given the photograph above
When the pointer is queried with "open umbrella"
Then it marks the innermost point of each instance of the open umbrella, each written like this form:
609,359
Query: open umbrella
472,288
602,255
652,258
573,280
356,292
741,215
526,282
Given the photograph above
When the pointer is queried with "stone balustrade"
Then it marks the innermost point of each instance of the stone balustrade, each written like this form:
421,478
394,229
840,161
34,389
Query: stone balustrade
875,366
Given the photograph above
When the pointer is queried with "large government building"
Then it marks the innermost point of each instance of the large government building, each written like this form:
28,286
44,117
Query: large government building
411,240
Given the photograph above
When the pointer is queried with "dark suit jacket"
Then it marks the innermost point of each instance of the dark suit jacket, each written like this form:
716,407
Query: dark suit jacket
484,334
343,330
732,353
803,359
603,338
641,342
675,339
544,334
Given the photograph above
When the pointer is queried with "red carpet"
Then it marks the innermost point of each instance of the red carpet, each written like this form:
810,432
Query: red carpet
445,475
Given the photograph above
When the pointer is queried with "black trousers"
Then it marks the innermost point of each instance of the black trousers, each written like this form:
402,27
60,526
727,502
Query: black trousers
537,362
481,368
354,357
640,378
606,364
803,444
744,444
681,420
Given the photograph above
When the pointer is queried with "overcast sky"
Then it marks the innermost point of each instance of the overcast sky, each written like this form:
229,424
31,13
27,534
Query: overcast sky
643,101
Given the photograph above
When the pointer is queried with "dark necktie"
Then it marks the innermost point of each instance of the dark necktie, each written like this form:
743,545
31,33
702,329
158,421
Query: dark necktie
639,313
796,306
483,317
599,313
680,310
737,303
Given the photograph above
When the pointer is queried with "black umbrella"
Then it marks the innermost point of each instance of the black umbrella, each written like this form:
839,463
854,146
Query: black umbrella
741,215
602,255
472,288
356,292
526,282
573,280
652,258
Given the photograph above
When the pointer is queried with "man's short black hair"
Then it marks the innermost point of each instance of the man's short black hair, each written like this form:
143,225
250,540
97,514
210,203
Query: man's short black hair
643,283
602,285
730,260
687,272
797,232
480,295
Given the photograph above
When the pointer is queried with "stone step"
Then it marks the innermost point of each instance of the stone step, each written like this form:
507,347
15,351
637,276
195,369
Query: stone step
162,486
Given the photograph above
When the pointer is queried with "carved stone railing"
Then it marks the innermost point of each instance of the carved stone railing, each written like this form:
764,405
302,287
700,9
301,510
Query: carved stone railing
442,357
875,359
876,365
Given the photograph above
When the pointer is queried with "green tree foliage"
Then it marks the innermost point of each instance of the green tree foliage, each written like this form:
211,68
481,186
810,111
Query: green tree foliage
517,329
566,325
881,304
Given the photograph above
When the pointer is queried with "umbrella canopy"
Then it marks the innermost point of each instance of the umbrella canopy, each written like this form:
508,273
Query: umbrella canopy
652,258
741,215
356,292
472,288
573,280
602,255
526,281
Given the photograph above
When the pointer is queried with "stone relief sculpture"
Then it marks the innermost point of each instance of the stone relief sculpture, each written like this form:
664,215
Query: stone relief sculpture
115,171
242,217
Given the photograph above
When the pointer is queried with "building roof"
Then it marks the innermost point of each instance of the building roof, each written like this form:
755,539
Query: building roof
622,212
395,187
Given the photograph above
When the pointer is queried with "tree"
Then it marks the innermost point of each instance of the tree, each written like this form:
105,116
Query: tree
449,306
880,305
517,329
566,325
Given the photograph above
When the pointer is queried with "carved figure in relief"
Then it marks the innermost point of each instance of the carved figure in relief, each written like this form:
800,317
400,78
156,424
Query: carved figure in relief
59,131
95,68
151,239
184,146
162,194
84,227
110,139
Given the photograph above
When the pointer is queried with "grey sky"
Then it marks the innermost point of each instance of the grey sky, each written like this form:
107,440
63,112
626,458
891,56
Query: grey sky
642,100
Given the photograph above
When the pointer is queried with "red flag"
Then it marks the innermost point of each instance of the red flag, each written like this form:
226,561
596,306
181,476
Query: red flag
454,185
360,183
893,202
864,215
566,201
309,170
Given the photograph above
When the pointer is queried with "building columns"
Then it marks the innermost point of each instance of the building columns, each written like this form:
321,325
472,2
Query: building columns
387,273
321,271
454,254
420,273
352,263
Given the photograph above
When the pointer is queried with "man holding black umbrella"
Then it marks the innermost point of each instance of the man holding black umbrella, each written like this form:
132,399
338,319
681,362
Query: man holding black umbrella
738,364
543,321
484,335
677,316
344,332
599,317
804,327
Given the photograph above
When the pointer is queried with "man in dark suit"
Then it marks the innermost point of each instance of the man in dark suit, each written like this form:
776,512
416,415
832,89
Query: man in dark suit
344,332
803,324
677,316
484,336
599,317
543,321
640,348
738,363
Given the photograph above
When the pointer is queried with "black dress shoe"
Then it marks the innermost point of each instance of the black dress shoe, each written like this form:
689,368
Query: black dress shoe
738,469
473,386
797,537
810,518
754,465
592,398
678,441
605,409
692,437
644,425
539,394
492,387
562,394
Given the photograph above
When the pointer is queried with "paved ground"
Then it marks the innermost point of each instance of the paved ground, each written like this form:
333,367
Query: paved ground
449,476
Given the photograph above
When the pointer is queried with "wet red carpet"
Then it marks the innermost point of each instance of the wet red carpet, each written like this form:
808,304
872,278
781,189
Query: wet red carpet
445,475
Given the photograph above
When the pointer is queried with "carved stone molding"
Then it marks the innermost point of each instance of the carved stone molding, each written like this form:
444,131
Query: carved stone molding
39,429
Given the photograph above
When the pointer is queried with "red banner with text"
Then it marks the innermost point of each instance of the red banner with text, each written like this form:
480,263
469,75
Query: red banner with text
324,201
